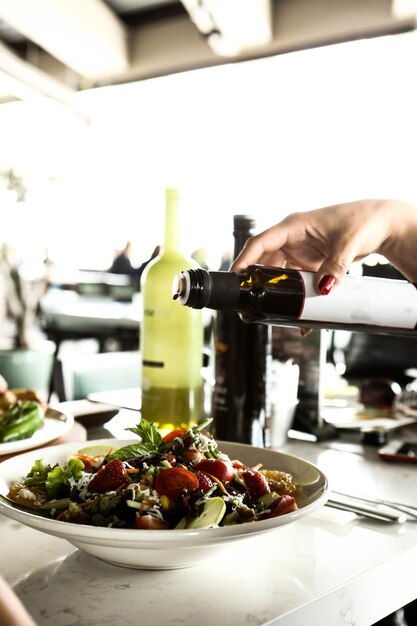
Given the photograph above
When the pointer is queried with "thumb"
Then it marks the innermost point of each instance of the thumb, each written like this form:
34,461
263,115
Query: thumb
331,272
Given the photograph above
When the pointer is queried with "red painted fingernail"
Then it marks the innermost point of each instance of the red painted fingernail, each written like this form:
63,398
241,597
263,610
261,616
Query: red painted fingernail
326,284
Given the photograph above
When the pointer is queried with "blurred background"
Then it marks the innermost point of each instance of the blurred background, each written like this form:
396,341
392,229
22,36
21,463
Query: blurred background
289,131
262,107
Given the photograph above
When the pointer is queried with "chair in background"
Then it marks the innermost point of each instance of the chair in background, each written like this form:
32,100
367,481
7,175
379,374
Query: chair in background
104,371
27,368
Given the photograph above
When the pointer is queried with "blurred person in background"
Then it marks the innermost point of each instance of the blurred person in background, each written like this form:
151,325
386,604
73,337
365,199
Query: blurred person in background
123,265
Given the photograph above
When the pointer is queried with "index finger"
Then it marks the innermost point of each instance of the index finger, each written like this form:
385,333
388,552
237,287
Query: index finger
270,240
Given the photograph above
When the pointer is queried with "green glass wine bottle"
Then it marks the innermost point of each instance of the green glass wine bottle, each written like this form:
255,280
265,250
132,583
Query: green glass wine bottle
171,337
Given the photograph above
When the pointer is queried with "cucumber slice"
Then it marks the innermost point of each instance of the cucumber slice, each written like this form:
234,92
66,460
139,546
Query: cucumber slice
268,498
231,518
211,516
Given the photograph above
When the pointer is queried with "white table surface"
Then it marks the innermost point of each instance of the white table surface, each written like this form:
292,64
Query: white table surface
319,570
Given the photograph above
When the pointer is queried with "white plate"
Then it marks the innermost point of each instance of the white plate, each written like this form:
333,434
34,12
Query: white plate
55,425
345,417
164,549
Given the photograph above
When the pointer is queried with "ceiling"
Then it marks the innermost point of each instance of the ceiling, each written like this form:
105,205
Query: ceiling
58,47
129,11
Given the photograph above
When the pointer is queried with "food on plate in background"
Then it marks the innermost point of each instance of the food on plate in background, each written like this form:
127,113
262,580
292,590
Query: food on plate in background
378,397
10,397
379,393
22,413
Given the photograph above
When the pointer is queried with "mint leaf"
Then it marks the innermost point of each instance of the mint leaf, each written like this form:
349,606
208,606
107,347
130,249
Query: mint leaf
132,451
150,442
148,433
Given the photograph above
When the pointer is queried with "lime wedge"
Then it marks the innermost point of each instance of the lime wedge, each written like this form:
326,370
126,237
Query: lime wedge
96,450
211,516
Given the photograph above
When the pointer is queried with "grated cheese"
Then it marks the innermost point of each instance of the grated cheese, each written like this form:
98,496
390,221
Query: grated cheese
26,493
81,485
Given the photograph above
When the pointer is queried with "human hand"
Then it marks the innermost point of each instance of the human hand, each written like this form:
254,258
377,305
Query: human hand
12,611
327,240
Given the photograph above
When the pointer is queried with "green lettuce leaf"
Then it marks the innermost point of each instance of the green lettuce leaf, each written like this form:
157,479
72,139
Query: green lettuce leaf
37,475
57,483
54,480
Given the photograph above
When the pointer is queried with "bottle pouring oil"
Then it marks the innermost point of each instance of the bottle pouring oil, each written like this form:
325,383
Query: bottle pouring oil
286,297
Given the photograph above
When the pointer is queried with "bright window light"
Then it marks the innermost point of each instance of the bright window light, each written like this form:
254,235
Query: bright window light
266,137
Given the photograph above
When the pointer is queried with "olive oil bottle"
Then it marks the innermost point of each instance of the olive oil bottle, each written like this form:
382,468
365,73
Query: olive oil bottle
286,297
171,337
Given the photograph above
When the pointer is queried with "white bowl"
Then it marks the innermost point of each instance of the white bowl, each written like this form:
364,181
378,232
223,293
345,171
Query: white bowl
164,549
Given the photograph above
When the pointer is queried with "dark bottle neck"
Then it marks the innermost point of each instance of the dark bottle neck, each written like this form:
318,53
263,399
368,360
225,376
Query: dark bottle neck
243,228
246,292
198,288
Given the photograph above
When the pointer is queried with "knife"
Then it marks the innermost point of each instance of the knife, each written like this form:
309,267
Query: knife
372,512
408,509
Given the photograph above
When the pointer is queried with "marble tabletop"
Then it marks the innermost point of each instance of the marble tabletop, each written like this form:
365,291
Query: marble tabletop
330,567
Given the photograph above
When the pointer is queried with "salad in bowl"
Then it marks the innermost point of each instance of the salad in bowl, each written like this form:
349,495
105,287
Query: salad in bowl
179,481
158,502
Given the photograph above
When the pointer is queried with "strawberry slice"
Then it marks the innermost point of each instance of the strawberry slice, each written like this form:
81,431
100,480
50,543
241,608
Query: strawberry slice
150,522
256,484
204,481
281,506
177,432
175,482
108,478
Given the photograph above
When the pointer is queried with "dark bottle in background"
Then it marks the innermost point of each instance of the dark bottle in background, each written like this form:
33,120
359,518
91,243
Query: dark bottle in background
240,399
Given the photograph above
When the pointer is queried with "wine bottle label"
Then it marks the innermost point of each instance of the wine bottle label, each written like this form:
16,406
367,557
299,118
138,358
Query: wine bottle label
148,363
362,300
